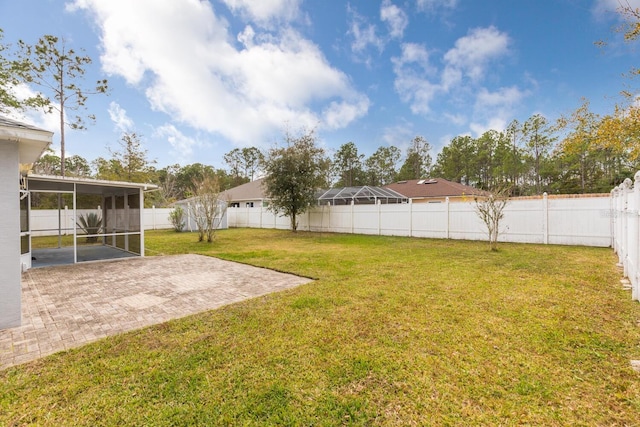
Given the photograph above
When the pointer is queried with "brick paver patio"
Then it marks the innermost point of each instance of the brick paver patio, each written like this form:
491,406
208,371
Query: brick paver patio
68,306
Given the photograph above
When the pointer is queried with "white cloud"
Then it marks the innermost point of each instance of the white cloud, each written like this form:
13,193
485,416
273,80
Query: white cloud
473,52
363,36
412,83
420,83
433,6
395,18
418,92
182,145
339,114
414,53
246,36
185,59
265,12
494,110
504,97
119,117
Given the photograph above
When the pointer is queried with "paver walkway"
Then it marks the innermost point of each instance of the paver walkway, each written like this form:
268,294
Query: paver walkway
68,306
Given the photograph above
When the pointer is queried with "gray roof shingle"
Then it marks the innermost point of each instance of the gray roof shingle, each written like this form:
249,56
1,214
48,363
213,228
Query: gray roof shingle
7,122
436,187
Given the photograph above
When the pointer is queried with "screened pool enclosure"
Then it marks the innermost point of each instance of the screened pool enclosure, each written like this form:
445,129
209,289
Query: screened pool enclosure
96,220
364,195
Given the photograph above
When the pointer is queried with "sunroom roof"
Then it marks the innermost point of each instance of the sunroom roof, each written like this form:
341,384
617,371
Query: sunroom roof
83,185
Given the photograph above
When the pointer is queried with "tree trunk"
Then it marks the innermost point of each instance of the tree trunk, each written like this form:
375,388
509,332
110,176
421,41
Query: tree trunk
62,156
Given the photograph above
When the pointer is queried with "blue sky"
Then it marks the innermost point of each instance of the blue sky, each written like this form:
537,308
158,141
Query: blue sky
199,78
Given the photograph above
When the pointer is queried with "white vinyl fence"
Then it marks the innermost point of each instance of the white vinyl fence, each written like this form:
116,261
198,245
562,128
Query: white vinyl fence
569,220
625,200
44,222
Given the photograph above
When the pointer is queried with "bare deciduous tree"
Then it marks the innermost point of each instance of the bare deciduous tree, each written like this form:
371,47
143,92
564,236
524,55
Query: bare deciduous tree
491,211
208,210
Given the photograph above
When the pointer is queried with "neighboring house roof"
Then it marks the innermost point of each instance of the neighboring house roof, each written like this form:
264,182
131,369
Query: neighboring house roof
436,187
250,191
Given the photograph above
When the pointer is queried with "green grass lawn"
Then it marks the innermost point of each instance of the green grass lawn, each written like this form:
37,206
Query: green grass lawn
395,331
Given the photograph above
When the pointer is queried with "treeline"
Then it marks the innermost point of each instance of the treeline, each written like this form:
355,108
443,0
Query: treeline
578,153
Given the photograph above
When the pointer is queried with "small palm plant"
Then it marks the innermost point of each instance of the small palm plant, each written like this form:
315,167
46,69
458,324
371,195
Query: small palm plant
90,223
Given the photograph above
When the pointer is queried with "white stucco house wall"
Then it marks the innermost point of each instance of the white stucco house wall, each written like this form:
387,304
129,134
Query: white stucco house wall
19,144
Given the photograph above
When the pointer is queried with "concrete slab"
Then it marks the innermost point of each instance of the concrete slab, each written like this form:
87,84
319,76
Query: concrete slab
71,305
60,256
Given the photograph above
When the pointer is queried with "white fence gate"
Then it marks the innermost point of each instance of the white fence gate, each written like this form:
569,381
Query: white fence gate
566,220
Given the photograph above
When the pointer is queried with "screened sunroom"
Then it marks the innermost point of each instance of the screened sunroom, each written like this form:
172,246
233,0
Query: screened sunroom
66,220
363,195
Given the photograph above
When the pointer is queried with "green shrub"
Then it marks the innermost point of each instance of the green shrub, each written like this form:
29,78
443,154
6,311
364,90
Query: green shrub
176,217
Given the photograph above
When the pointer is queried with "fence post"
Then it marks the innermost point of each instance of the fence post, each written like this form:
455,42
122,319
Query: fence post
378,202
620,222
619,201
634,250
410,217
447,204
545,217
626,191
352,203
612,216
261,212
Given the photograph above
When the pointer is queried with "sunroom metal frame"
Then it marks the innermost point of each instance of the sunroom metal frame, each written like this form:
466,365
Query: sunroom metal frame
119,202
363,195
